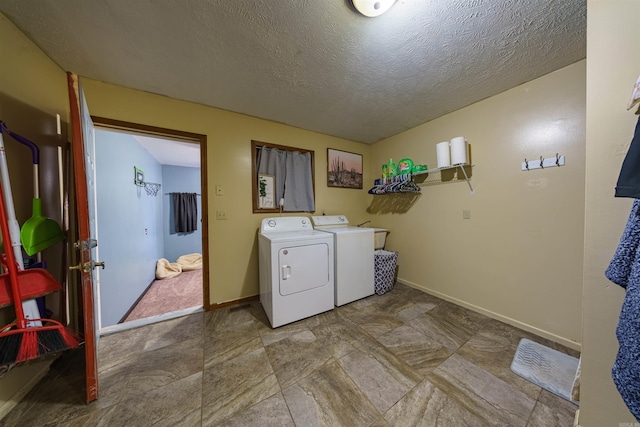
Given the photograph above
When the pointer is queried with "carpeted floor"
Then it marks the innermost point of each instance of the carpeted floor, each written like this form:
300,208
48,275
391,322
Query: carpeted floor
164,296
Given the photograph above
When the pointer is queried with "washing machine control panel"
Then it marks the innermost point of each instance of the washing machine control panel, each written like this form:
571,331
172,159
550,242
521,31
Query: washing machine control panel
329,220
282,224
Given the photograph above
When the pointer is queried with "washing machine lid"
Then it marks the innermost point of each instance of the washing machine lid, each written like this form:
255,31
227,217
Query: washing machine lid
337,224
293,236
345,230
330,221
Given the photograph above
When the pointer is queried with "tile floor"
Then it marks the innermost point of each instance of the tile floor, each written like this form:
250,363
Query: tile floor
401,359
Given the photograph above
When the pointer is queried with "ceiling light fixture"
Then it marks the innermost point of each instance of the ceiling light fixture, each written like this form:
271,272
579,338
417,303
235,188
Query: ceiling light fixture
372,8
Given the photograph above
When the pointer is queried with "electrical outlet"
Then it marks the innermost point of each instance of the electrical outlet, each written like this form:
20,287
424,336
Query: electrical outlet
466,214
221,214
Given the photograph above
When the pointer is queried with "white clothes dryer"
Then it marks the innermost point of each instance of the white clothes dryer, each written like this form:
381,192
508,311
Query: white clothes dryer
354,263
296,269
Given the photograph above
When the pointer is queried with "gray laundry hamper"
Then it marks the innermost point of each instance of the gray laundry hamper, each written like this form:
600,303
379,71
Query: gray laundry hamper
385,270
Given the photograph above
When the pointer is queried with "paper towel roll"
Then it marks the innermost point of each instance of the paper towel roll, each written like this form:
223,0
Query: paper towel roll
442,154
458,150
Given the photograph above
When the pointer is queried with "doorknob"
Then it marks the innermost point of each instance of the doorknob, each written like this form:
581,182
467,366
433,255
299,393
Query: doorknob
86,266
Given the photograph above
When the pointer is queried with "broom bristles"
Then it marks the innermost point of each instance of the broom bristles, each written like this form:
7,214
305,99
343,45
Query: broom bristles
9,347
70,337
28,346
20,345
55,340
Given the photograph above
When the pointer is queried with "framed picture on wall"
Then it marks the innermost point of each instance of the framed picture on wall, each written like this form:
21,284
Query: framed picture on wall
344,169
266,191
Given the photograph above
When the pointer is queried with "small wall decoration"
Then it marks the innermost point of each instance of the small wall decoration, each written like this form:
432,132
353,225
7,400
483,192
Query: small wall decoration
266,194
138,176
344,169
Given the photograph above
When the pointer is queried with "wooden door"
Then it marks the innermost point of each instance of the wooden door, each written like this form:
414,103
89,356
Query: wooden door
82,137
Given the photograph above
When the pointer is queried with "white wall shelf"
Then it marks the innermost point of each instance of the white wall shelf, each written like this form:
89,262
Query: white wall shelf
436,176
445,175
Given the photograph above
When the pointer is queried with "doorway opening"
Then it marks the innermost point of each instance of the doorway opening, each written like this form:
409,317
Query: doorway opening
156,270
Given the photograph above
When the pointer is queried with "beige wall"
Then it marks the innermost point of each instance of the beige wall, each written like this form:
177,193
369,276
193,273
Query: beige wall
32,91
613,65
519,257
232,243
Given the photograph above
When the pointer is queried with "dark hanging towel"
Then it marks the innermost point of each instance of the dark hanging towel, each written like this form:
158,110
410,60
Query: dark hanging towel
628,184
185,212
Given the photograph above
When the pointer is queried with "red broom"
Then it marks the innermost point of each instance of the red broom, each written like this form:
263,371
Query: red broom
19,342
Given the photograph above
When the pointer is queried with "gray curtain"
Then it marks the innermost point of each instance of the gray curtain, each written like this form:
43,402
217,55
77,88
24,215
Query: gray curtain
272,161
185,212
298,183
293,177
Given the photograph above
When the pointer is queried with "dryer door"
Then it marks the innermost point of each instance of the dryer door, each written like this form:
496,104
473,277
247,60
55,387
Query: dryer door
303,267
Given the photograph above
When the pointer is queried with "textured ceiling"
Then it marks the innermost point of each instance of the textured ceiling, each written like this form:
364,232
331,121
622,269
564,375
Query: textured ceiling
313,64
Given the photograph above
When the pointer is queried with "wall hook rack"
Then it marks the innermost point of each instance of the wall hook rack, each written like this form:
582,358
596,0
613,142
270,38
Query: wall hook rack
543,163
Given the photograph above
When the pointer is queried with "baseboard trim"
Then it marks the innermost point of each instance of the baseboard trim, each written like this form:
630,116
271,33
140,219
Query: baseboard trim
526,327
154,319
8,405
119,327
218,306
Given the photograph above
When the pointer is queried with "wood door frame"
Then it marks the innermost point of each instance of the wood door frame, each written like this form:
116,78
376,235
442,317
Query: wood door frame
119,125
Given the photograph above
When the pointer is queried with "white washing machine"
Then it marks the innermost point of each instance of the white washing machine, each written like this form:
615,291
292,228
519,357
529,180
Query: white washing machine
354,264
296,269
